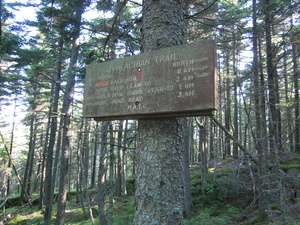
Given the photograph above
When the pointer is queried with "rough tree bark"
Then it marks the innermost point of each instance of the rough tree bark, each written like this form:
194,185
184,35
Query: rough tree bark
119,161
188,203
273,90
67,106
227,150
258,114
29,162
295,50
159,158
93,176
101,174
50,152
235,151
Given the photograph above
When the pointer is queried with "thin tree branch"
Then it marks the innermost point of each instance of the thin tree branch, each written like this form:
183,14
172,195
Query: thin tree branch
114,23
14,167
215,121
136,3
203,10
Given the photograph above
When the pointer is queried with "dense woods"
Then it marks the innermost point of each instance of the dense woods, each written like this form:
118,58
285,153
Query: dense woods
48,150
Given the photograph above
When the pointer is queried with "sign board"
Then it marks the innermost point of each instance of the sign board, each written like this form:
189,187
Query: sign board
175,81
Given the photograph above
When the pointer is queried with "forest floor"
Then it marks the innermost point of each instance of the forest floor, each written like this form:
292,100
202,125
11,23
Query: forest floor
215,200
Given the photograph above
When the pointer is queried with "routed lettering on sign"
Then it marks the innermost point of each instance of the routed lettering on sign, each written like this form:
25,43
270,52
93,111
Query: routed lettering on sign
176,81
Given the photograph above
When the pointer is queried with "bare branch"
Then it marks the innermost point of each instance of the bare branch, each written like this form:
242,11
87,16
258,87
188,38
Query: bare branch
215,121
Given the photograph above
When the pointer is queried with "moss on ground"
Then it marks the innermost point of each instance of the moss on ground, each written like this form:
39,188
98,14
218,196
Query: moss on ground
216,206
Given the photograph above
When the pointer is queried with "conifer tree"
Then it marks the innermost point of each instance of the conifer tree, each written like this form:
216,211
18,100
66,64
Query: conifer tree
159,157
67,109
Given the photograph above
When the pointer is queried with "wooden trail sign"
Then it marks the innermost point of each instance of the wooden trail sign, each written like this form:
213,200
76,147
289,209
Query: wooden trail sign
175,81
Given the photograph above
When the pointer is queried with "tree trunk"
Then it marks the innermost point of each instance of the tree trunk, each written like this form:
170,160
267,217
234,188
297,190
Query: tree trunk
227,107
11,144
190,128
288,111
56,164
30,156
188,203
101,174
14,167
93,175
258,114
296,96
49,162
259,133
235,152
159,169
45,155
67,106
272,183
119,161
275,115
86,148
212,151
124,158
202,154
83,158
111,164
159,172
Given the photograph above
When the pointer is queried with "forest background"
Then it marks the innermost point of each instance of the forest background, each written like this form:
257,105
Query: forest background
45,142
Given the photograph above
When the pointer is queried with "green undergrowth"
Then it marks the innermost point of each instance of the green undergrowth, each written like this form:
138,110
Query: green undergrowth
215,214
24,215
213,198
122,213
290,165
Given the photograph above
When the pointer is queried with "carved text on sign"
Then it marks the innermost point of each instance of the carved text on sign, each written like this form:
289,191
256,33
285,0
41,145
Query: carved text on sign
177,81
